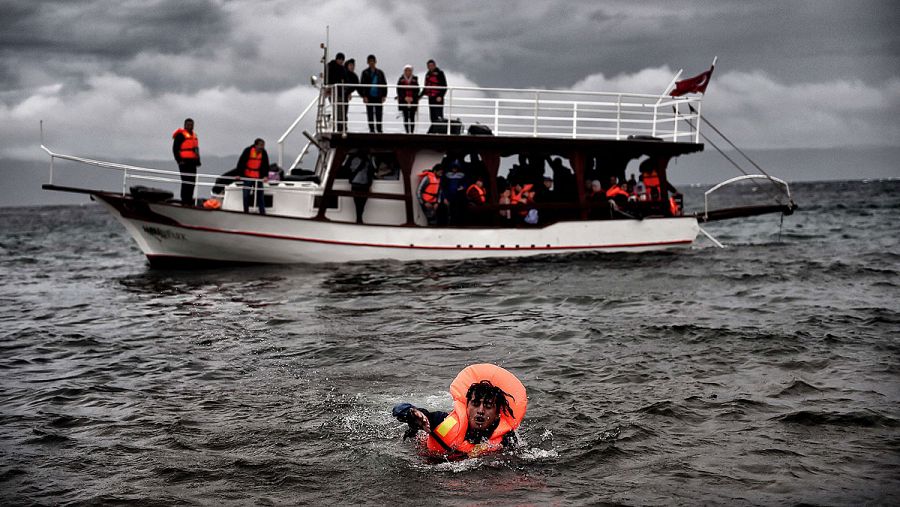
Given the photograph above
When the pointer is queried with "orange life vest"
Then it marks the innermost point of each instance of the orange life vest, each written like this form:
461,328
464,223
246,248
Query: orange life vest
452,431
476,194
651,181
614,191
212,204
251,170
519,197
673,206
433,189
190,146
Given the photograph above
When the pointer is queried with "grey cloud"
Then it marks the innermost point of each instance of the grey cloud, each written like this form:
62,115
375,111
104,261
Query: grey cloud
502,44
45,34
112,30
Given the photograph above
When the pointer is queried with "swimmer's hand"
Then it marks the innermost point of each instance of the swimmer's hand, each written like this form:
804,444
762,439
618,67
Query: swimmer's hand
418,419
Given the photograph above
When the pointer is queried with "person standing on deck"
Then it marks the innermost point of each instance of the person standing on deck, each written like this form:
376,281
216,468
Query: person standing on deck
435,78
254,167
186,149
374,84
351,80
335,75
408,98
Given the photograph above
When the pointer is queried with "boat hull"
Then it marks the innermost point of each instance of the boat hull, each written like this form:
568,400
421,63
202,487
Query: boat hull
172,234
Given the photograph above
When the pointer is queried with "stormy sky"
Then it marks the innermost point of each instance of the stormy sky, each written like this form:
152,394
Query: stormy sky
113,78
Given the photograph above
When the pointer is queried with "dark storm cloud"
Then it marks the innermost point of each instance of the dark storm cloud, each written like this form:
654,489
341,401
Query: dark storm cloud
518,43
56,33
110,29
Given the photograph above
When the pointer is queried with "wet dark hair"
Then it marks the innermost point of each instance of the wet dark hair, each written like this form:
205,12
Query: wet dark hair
485,390
339,56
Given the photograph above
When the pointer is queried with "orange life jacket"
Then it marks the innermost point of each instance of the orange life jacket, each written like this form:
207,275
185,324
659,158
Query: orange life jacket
212,204
673,206
251,170
476,194
519,197
614,191
651,181
452,431
433,189
190,146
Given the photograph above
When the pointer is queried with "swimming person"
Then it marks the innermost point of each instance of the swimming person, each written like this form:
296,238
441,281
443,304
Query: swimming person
489,403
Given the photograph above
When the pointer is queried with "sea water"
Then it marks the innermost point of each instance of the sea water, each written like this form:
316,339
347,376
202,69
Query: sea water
763,373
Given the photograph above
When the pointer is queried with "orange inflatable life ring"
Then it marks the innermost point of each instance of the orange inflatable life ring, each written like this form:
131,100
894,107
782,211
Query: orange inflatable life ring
450,435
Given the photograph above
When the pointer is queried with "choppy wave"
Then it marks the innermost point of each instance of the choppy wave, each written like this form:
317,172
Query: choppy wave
764,373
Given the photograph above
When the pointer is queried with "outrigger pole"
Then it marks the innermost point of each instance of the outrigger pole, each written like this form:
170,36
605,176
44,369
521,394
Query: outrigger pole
729,159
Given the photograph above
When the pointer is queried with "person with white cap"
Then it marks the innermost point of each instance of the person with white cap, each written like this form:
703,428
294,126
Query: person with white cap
408,94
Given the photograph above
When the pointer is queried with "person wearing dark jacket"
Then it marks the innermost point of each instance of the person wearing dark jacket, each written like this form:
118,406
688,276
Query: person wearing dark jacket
435,78
335,74
373,86
408,98
186,149
253,167
351,80
361,172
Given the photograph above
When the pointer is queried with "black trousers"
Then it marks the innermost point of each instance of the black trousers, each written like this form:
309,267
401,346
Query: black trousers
188,170
436,108
409,118
374,113
360,202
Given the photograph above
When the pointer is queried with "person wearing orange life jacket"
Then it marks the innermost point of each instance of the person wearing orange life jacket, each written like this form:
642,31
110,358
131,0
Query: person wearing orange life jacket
254,170
429,192
652,185
489,404
618,194
186,149
476,196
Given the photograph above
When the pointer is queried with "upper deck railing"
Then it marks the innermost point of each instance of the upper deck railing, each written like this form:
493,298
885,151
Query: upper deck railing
516,113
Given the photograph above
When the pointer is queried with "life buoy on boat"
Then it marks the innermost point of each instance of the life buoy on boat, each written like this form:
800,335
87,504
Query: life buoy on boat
450,435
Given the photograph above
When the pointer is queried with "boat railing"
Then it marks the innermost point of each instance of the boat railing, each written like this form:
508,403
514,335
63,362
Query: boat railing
511,112
745,177
529,113
289,131
132,173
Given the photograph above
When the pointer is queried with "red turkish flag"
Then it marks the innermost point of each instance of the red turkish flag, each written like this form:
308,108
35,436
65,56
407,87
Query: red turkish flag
696,84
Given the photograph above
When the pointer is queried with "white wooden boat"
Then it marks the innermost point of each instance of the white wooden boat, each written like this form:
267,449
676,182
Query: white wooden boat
311,216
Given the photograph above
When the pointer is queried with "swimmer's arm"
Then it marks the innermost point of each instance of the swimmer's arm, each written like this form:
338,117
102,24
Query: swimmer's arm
418,417
510,440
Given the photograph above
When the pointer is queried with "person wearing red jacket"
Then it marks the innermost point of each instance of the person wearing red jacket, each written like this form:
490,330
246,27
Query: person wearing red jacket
435,89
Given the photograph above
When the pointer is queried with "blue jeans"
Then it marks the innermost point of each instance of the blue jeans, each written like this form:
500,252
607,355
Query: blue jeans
260,196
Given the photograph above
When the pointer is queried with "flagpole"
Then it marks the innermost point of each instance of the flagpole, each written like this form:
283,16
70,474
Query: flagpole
671,83
656,106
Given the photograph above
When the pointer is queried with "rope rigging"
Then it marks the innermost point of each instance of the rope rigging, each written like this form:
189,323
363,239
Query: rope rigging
731,160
